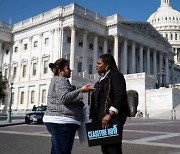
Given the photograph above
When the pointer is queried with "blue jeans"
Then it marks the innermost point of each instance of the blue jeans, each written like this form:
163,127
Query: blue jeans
62,137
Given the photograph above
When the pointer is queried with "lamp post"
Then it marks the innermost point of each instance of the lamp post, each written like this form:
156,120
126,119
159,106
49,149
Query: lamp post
9,119
161,75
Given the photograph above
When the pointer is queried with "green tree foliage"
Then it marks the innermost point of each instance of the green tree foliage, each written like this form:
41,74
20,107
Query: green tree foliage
3,85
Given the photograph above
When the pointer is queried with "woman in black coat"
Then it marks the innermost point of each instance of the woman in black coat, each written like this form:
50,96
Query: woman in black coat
109,101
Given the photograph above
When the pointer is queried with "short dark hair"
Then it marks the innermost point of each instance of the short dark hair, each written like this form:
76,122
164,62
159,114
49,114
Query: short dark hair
109,59
58,65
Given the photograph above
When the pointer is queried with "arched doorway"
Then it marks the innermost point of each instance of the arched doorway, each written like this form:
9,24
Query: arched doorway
132,101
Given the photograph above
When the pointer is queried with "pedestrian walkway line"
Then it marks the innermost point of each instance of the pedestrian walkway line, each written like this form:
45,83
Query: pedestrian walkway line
148,123
144,131
159,137
151,143
24,133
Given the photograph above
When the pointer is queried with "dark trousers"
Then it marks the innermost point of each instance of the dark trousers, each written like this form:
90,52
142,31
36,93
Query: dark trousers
115,148
112,149
62,137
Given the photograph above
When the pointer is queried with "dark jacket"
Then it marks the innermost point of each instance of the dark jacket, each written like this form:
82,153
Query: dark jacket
112,89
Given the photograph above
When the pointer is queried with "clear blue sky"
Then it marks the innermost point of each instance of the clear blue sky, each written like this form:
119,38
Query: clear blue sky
135,10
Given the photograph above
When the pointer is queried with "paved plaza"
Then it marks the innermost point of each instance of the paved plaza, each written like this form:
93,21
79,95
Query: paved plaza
141,136
156,132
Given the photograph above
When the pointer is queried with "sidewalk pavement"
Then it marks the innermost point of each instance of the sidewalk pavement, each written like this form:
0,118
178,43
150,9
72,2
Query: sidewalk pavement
4,123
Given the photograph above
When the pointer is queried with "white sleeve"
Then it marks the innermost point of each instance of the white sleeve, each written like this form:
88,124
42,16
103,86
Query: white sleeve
113,109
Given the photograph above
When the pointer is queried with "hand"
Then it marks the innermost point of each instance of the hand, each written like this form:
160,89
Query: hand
105,121
86,88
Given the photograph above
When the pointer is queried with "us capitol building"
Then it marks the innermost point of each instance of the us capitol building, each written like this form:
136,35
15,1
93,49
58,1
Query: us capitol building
147,53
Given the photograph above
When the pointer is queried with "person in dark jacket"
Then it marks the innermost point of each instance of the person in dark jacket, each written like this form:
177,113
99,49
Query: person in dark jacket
109,100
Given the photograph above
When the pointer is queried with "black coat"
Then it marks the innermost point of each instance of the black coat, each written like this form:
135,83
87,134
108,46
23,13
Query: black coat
117,98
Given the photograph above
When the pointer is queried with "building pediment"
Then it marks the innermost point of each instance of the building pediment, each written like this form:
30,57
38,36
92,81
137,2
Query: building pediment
146,29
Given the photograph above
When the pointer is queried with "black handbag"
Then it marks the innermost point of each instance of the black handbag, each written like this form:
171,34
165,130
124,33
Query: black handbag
97,135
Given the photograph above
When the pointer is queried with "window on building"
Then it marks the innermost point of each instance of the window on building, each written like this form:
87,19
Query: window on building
14,72
100,49
22,98
24,71
12,98
80,67
171,36
25,46
68,39
81,43
35,44
176,36
7,51
45,70
34,69
166,36
5,73
43,96
91,46
109,51
32,96
16,49
46,41
178,54
90,69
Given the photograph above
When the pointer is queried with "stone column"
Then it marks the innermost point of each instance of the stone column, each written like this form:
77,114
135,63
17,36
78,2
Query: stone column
19,71
95,53
148,61
51,40
172,67
167,69
116,56
10,62
29,61
72,48
155,63
40,56
175,57
141,59
133,58
56,44
105,49
160,61
61,35
1,55
84,54
124,58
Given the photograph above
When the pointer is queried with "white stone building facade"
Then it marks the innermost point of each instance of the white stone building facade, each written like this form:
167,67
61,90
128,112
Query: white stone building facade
80,36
